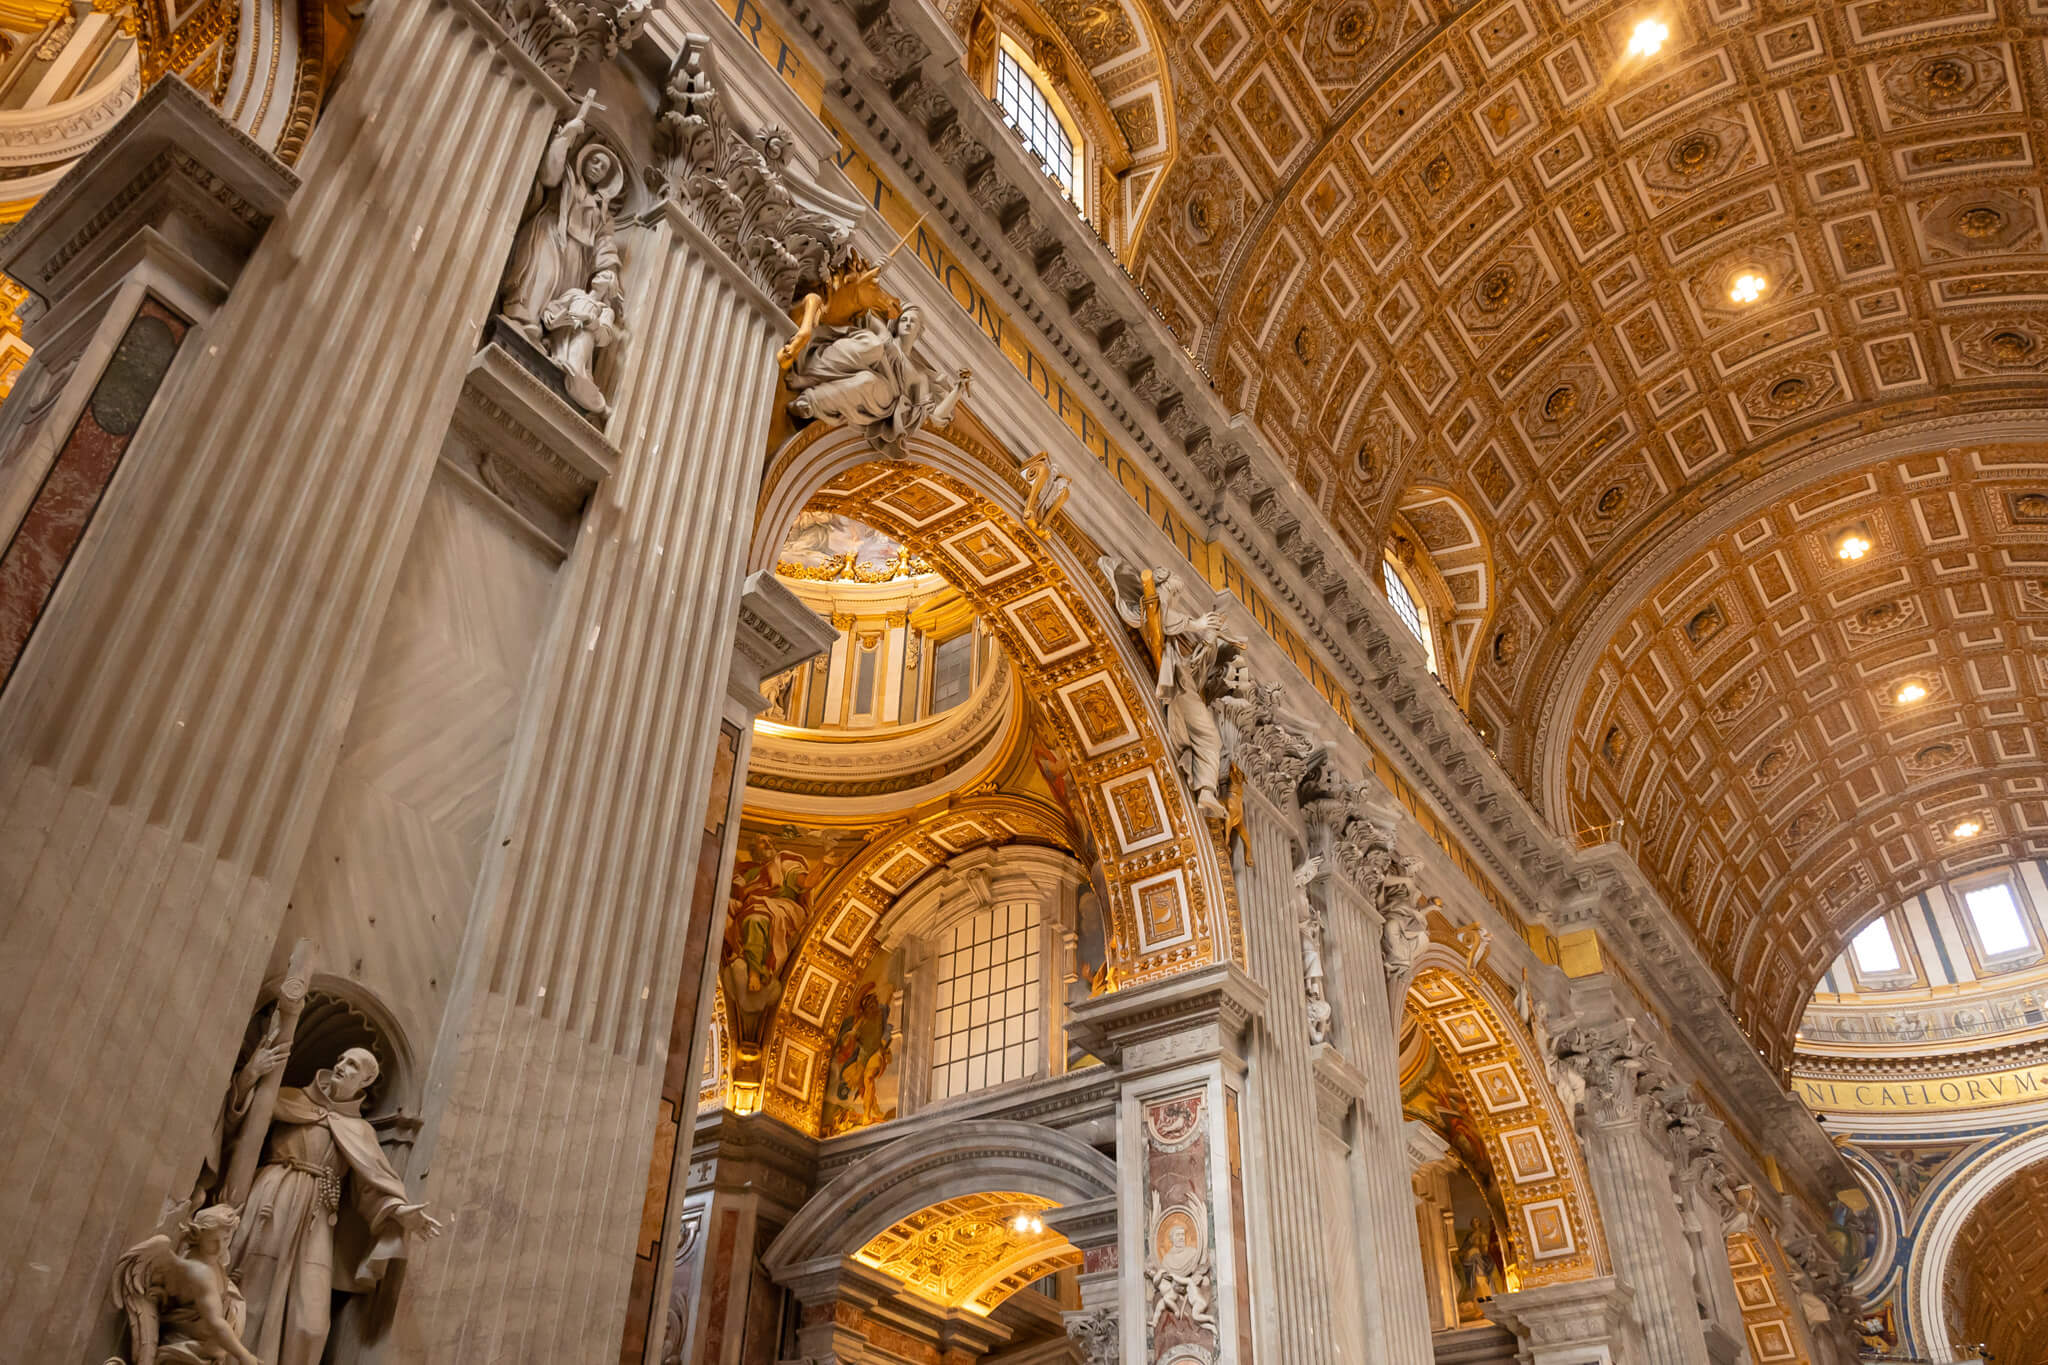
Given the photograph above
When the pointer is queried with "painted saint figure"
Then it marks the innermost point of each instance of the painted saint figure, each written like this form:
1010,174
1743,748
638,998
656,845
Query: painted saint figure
326,1213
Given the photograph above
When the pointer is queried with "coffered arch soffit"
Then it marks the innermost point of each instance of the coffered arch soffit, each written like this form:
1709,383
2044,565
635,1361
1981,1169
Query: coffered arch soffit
950,501
1739,713
1554,1229
1488,250
854,911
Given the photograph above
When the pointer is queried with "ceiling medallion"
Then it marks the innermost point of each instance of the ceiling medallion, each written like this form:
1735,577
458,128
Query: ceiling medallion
1736,699
1789,390
1705,624
1931,756
1496,286
1772,766
1693,154
2031,507
2011,346
1612,502
1614,744
1352,27
1944,77
1979,221
1561,403
1437,174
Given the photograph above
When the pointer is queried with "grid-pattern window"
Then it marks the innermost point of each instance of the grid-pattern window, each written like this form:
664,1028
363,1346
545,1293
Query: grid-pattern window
986,1028
1877,953
1030,111
1996,917
1404,602
952,671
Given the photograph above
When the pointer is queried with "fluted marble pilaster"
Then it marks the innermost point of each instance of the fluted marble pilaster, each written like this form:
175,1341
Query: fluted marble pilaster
1632,1182
1292,1281
1371,1042
167,737
543,1107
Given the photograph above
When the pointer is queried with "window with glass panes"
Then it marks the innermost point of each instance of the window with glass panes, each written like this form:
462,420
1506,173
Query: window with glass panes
1404,602
952,671
1030,111
1995,915
986,1027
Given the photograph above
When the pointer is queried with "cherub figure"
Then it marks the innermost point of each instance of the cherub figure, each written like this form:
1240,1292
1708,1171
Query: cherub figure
182,1307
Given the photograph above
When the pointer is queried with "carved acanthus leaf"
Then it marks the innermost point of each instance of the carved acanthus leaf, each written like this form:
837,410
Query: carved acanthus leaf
735,184
560,35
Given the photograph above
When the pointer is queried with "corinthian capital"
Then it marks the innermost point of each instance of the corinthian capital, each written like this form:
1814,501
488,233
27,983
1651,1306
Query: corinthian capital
1273,754
1618,1069
1097,1335
735,184
561,34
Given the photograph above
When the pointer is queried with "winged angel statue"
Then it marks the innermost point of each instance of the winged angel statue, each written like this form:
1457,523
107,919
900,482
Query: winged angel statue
1197,665
182,1307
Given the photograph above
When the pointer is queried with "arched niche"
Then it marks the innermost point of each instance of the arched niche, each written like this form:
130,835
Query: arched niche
1928,1267
1553,1230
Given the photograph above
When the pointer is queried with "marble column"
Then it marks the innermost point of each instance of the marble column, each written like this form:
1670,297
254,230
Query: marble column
542,1102
167,736
1177,1044
1291,1255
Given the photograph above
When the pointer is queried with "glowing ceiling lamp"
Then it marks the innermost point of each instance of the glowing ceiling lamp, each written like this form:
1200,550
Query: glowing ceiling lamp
1748,287
1967,829
1853,545
1648,38
1910,692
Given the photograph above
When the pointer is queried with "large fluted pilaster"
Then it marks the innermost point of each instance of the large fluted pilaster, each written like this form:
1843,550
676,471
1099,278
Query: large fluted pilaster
166,739
542,1110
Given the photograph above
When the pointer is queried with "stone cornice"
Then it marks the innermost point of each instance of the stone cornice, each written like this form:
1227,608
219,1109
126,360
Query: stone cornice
1928,1066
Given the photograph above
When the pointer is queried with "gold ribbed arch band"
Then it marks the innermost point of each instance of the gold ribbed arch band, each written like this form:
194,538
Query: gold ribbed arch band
1553,1228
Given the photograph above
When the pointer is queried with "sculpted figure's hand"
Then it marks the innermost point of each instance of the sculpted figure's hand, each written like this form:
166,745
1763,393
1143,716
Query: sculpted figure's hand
415,1219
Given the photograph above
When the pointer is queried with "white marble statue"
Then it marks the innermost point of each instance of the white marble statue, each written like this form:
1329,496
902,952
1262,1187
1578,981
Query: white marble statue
1045,492
562,286
863,374
1192,658
325,1214
1319,1008
182,1306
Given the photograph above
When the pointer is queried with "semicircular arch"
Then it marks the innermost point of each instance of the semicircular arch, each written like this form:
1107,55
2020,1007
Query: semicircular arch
955,501
1554,1226
1941,1227
969,1157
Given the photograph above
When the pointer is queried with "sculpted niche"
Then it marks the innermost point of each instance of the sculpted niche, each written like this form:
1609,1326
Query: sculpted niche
296,1204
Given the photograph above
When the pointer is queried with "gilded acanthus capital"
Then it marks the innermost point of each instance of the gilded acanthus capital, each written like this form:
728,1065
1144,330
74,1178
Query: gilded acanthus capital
736,184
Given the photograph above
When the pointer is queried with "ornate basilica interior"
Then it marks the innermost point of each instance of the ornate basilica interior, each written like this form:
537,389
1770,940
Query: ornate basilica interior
1023,682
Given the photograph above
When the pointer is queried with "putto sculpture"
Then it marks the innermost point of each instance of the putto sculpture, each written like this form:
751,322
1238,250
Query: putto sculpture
852,362
561,289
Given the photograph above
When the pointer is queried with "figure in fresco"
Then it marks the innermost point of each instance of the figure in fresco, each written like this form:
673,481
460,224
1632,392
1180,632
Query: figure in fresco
862,1052
770,899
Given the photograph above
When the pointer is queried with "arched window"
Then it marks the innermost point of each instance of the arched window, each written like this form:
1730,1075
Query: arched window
1047,130
988,1028
1408,606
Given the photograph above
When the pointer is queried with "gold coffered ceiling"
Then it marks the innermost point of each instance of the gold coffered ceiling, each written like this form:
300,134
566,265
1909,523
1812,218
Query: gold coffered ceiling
1488,254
